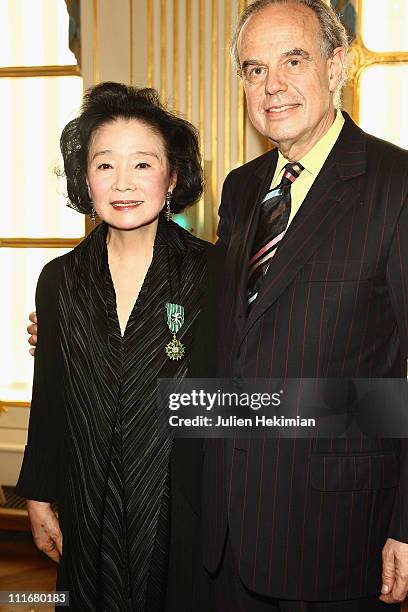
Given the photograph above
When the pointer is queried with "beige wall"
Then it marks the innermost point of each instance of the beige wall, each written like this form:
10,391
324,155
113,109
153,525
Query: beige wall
180,47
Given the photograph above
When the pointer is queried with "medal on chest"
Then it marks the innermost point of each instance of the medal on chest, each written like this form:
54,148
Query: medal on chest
175,319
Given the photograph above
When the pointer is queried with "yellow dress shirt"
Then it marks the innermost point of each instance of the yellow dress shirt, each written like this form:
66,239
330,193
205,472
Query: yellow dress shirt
312,163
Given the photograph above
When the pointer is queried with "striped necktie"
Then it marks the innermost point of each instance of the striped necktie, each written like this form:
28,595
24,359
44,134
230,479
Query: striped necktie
272,224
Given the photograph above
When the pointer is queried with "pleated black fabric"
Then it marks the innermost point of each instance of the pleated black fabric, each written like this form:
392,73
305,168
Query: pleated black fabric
115,508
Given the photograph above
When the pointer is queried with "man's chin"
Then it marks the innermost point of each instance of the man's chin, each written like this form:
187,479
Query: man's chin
279,137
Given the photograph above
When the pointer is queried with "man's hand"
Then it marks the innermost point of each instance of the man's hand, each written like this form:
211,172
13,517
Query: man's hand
395,571
45,528
32,330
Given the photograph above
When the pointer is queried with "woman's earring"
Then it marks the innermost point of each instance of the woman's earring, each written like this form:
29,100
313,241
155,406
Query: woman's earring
92,215
167,210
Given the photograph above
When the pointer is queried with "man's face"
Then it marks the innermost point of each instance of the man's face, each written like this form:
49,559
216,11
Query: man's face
288,83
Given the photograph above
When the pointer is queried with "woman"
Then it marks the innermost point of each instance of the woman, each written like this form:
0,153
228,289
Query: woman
106,335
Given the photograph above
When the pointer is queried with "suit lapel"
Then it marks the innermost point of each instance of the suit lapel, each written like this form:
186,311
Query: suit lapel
331,196
245,228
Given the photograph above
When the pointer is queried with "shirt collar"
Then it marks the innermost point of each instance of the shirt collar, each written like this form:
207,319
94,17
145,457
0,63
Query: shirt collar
315,158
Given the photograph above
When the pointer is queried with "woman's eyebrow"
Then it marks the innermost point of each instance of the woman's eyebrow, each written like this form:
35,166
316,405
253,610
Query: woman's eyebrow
105,151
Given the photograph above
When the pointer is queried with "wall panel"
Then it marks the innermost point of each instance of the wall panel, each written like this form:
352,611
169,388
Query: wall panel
180,47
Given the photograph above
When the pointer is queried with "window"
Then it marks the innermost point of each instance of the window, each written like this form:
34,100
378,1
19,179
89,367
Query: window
377,95
40,91
385,80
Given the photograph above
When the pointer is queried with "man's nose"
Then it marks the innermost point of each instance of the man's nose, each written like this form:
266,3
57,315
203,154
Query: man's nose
275,81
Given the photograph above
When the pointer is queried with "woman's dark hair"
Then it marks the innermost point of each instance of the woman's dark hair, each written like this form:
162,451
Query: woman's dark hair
107,102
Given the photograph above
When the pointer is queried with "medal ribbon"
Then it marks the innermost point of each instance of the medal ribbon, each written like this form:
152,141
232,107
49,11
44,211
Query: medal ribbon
175,316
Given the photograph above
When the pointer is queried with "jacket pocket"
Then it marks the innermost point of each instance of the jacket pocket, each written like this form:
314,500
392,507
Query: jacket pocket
324,271
354,472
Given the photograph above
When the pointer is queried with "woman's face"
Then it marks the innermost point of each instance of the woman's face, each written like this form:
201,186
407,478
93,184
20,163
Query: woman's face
128,174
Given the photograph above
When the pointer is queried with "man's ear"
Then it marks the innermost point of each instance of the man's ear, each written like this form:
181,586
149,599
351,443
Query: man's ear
336,65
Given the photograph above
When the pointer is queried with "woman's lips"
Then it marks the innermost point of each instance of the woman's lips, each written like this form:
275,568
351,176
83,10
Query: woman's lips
126,204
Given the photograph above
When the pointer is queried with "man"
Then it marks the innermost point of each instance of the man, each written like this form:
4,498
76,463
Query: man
316,525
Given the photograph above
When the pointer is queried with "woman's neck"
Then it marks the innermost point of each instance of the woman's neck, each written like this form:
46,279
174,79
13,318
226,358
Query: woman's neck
130,254
130,244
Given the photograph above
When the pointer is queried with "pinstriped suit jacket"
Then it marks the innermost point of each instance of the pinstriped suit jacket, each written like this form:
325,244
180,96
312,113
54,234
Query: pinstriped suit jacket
308,518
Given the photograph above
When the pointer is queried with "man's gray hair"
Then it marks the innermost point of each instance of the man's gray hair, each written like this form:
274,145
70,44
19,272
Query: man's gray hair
333,33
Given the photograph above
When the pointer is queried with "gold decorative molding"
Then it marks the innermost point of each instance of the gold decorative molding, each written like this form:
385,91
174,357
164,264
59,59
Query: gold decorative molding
241,158
95,32
206,199
214,114
39,71
201,69
189,103
150,62
362,58
163,92
43,243
4,405
175,55
227,98
132,42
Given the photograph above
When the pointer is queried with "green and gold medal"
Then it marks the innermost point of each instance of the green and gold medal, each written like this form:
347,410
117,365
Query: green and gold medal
175,318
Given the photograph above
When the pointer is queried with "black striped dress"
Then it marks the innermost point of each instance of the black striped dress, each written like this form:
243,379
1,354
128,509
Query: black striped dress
94,443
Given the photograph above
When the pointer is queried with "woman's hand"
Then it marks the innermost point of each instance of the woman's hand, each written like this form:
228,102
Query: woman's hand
45,528
32,330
